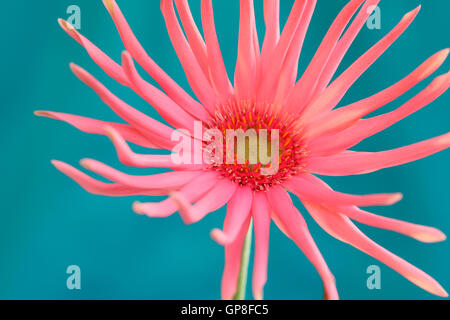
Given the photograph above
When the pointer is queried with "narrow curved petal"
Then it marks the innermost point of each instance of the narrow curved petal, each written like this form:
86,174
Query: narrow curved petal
245,72
365,128
173,90
169,110
279,223
97,187
271,73
418,232
311,188
338,88
195,39
233,258
344,44
288,75
295,225
158,132
219,74
344,117
129,158
197,79
261,222
94,126
213,200
167,181
238,209
256,47
109,66
272,22
304,88
337,224
351,163
191,192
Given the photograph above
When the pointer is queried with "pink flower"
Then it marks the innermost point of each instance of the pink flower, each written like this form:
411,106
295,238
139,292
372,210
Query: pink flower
314,136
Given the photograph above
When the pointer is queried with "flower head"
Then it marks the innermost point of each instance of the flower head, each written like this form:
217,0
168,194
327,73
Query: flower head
294,123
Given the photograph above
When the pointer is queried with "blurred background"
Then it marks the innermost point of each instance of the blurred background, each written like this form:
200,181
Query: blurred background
47,222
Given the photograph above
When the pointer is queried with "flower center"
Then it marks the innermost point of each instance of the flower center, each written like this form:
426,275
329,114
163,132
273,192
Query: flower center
261,146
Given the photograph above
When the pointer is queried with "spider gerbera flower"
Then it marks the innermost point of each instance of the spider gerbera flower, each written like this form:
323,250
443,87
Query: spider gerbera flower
314,136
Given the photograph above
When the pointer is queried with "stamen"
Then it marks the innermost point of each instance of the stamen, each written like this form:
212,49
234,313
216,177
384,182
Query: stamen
248,115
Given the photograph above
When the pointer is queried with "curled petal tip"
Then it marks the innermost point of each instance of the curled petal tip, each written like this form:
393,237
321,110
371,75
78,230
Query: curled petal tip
127,60
109,131
396,197
77,70
61,166
258,295
137,208
445,52
74,67
446,140
47,114
218,236
126,55
109,4
412,14
439,291
430,235
56,163
85,163
40,113
66,25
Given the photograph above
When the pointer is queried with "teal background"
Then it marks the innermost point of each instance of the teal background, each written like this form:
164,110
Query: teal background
47,222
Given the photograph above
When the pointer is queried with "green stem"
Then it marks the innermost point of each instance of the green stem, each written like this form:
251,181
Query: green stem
242,279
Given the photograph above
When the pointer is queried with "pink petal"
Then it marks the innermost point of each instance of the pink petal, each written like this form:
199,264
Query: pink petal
110,67
173,90
313,189
367,127
340,226
418,232
272,21
213,200
304,88
271,73
197,79
191,192
344,44
193,35
94,186
256,47
158,132
233,256
129,158
219,74
261,221
288,75
296,226
336,91
238,209
169,110
344,117
245,72
280,225
344,164
167,181
94,126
